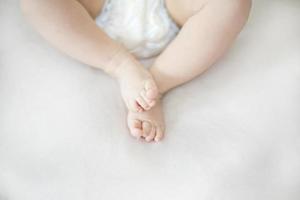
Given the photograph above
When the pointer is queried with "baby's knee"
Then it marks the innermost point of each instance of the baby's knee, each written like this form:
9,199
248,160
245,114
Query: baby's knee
29,5
31,8
36,7
238,8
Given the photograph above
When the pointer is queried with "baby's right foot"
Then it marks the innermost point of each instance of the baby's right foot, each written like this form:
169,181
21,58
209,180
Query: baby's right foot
148,125
138,87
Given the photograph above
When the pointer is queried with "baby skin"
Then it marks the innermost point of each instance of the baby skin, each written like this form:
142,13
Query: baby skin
208,28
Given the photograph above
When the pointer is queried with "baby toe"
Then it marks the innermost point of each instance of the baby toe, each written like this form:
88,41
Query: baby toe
147,127
142,103
151,136
134,106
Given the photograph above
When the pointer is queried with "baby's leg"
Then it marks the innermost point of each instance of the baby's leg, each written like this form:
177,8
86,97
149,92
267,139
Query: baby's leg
209,28
69,25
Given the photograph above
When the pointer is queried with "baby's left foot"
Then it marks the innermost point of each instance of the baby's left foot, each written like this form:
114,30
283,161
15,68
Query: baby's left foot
148,125
138,87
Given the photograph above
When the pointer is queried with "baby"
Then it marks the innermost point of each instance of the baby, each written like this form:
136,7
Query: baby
185,36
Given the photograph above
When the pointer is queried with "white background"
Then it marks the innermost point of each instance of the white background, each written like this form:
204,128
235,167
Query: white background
232,134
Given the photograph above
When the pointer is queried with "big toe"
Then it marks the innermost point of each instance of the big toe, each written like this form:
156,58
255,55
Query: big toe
147,127
151,135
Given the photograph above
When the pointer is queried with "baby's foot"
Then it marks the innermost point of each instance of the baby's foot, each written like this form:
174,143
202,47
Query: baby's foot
138,87
148,125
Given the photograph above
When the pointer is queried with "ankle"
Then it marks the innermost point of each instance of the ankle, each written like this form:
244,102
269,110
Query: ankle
125,67
118,60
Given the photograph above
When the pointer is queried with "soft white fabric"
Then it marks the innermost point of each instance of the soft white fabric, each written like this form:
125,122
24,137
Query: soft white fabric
232,134
142,26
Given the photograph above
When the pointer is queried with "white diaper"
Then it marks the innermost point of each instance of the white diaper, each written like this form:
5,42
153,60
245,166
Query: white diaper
144,27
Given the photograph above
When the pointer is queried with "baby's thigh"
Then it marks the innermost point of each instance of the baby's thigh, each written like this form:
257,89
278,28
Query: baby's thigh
182,10
93,7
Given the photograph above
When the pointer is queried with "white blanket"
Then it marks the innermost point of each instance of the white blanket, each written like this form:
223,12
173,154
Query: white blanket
232,134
